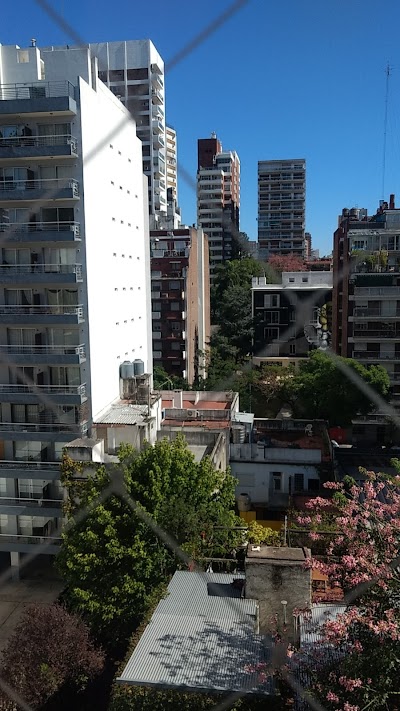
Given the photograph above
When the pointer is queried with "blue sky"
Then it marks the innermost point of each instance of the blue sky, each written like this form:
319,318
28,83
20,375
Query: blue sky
301,78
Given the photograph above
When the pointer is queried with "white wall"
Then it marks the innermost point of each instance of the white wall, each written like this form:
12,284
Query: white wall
254,477
116,241
12,70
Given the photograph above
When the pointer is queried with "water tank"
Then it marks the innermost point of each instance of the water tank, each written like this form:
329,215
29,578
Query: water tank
345,212
244,502
138,367
126,370
354,212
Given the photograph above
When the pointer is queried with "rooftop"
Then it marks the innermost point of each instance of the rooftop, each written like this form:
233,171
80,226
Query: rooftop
200,638
123,413
280,554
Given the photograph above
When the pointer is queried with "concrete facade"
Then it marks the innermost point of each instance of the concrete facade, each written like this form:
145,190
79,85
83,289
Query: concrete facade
274,575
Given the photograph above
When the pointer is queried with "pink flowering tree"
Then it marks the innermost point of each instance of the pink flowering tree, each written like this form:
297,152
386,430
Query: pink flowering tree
356,665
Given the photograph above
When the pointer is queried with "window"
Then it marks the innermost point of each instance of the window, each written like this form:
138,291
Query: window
291,280
175,346
133,74
156,326
23,56
299,481
156,275
156,286
156,305
292,349
277,480
103,76
175,306
271,334
304,280
174,285
271,300
176,326
157,345
116,75
272,317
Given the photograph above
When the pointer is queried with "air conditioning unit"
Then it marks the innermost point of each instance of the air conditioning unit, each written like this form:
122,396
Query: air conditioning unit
193,413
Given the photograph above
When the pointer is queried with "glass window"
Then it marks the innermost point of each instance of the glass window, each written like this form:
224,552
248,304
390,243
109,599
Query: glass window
277,480
133,74
175,306
116,75
174,285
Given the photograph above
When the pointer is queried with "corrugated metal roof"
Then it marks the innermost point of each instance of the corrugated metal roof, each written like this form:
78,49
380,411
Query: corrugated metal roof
200,641
310,627
123,415
199,654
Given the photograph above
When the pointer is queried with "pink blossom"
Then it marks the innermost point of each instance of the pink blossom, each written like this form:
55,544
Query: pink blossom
332,697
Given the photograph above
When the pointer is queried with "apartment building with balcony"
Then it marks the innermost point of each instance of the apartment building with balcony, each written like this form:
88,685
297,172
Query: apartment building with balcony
134,71
171,157
291,318
281,207
218,199
180,301
366,294
74,274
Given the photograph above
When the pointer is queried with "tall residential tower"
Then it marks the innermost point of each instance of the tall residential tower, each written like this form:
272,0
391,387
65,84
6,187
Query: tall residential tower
218,199
281,207
74,274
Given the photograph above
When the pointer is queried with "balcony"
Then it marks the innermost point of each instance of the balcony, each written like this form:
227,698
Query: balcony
159,170
157,97
48,471
43,355
158,141
27,191
50,508
30,394
43,98
46,315
375,291
43,432
373,333
158,126
374,312
38,147
41,273
40,232
156,81
29,544
376,356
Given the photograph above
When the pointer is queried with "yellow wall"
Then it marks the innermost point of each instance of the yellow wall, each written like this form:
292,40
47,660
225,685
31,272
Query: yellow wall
249,516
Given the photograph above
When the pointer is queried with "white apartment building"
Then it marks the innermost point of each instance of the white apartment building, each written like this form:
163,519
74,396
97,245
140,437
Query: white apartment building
281,207
74,274
218,199
172,170
134,71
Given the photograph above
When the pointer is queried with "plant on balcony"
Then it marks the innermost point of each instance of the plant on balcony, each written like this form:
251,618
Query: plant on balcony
49,648
371,261
383,257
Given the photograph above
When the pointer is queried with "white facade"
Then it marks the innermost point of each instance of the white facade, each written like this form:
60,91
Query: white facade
75,274
134,71
281,206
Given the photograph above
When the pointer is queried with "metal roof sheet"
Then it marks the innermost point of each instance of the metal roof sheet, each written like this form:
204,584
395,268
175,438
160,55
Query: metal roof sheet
310,627
199,654
200,641
123,415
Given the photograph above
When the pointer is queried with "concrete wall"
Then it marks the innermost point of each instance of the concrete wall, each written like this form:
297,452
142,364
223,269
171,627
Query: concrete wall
116,242
271,581
255,478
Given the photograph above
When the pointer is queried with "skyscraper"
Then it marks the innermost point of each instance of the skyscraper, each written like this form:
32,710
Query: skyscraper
218,199
134,71
74,274
281,207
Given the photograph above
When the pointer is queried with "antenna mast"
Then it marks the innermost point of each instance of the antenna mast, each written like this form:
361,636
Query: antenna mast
388,72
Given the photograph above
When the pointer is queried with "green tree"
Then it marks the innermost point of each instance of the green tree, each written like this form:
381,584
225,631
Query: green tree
115,560
163,381
322,389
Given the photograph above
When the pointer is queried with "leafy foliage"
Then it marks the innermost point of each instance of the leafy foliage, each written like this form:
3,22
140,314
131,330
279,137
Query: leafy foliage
49,648
262,535
163,381
362,670
321,386
286,263
115,561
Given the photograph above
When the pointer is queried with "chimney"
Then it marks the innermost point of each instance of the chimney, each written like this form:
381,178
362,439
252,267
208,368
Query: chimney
391,202
177,399
278,579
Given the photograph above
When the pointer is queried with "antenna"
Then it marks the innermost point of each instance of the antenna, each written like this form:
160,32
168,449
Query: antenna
388,72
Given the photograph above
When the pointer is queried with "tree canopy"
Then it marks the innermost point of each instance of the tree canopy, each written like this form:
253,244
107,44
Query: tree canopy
49,648
322,389
362,670
115,560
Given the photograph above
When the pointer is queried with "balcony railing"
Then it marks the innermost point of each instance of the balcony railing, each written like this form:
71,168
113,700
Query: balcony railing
29,427
376,291
40,141
375,333
29,466
44,350
56,310
9,269
49,185
40,227
376,356
37,90
41,540
359,311
35,503
45,389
